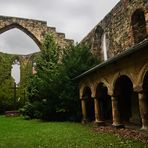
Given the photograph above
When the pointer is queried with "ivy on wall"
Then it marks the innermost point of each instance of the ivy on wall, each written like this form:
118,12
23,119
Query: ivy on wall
7,82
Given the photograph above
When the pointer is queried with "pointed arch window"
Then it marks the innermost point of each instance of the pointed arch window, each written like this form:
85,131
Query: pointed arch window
15,41
97,41
15,71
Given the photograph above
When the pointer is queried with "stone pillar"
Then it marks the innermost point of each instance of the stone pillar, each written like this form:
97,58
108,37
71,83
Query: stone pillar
84,115
115,112
97,112
146,20
143,110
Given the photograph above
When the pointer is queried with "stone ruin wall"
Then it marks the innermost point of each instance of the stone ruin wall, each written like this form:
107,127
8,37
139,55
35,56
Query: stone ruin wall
117,27
36,29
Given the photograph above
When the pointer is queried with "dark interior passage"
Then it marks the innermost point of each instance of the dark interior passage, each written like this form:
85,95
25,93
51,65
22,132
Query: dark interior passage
104,102
123,92
89,101
145,88
139,25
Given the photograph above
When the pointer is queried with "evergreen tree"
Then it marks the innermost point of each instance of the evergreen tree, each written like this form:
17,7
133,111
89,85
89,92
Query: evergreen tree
51,92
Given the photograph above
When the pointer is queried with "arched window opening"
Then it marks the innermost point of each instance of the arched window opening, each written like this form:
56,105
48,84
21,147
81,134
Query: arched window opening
104,101
15,71
97,43
89,101
15,41
139,26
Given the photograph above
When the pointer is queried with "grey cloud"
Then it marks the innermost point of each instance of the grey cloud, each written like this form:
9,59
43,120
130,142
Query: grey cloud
73,17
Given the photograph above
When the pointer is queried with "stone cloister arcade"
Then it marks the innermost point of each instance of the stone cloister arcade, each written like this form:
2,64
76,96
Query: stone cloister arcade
117,90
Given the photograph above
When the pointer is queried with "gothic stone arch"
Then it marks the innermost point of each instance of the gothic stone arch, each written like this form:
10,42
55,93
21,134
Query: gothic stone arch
35,29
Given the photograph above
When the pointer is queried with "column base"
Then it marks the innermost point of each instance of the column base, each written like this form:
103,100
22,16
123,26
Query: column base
145,124
118,125
144,128
99,123
84,121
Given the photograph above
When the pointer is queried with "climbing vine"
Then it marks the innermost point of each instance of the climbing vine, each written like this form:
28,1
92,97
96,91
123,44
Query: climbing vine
7,82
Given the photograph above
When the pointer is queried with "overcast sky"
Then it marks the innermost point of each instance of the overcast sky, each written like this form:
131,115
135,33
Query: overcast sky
75,18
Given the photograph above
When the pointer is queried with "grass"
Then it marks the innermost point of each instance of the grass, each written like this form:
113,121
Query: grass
19,133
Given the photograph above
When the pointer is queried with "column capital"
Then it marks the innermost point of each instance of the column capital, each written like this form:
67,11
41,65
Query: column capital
138,89
114,97
82,98
111,93
141,96
95,98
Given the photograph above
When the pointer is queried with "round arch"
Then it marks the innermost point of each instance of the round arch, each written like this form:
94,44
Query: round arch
117,76
104,101
142,74
105,82
82,88
15,25
123,91
86,91
127,99
89,102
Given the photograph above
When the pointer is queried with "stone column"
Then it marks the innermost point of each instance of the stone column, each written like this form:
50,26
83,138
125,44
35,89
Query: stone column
84,115
115,112
143,110
97,112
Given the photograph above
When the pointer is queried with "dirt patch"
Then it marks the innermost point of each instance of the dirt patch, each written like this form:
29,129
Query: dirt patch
124,132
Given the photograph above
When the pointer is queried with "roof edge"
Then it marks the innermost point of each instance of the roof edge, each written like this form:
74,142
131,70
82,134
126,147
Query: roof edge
125,53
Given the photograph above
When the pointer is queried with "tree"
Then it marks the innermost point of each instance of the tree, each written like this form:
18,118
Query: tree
51,91
75,60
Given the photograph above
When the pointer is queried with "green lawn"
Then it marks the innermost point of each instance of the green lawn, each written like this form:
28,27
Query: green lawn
19,133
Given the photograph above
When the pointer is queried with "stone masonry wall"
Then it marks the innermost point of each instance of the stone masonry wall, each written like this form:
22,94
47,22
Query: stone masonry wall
36,30
118,28
33,28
